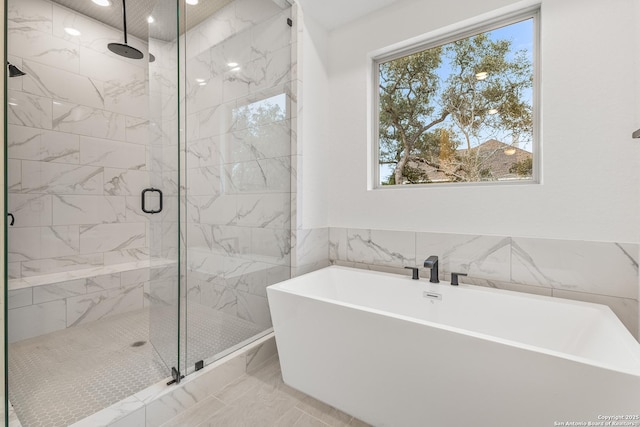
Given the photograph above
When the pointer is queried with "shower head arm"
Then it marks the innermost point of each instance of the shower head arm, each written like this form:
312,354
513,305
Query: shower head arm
124,18
124,49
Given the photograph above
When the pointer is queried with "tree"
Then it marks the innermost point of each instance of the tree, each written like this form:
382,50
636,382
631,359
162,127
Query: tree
426,117
523,167
407,87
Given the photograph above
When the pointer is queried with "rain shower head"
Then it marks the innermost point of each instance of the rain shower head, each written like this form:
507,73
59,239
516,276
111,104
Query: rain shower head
15,71
123,49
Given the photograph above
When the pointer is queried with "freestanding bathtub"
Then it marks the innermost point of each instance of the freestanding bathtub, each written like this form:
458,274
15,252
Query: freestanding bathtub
396,352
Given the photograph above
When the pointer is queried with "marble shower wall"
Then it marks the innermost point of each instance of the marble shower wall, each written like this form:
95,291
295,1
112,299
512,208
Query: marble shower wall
77,143
238,157
600,272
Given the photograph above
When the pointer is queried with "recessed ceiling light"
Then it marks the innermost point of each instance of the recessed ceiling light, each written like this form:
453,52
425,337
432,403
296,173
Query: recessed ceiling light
202,83
72,31
232,64
192,2
481,75
235,69
200,80
102,2
150,19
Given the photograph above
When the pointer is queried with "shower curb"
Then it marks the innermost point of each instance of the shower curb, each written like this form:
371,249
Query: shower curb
159,403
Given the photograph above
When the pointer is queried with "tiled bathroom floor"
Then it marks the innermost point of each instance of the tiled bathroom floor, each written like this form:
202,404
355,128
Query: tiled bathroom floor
65,376
261,399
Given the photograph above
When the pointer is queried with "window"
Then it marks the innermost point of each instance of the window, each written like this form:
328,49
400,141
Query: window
459,110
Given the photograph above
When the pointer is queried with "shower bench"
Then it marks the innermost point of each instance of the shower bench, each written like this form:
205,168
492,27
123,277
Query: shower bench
49,302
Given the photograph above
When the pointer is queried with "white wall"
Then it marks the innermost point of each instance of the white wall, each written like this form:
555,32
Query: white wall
313,63
590,163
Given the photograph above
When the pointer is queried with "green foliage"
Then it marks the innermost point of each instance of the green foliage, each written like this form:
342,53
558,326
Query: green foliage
523,167
415,175
436,145
390,181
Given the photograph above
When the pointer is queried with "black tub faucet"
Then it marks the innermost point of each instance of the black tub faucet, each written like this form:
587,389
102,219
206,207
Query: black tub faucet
432,263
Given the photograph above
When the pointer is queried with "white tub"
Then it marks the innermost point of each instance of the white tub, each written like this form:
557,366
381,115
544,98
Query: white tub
374,346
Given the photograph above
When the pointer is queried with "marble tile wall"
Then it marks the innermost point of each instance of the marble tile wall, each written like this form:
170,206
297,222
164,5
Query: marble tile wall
77,144
310,251
600,272
83,146
238,158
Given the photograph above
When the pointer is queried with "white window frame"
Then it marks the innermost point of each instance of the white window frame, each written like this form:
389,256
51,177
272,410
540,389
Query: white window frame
431,40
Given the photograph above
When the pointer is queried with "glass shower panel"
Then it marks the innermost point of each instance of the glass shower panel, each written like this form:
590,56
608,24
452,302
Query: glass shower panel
88,131
162,199
4,419
238,163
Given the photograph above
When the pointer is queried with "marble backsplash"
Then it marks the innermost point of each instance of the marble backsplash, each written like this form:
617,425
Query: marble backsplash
600,272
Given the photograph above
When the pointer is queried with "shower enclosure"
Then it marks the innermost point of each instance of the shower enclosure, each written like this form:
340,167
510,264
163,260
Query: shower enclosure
151,198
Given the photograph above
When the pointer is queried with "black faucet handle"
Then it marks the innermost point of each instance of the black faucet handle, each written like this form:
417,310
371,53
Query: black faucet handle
415,272
454,278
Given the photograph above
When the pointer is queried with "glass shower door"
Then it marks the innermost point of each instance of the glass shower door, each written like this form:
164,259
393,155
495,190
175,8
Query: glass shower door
238,167
162,200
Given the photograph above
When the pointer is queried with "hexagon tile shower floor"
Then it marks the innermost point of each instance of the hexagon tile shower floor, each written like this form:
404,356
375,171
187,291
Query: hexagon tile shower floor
63,377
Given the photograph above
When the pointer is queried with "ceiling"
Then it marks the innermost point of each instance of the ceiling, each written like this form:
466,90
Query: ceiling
332,14
322,11
139,10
